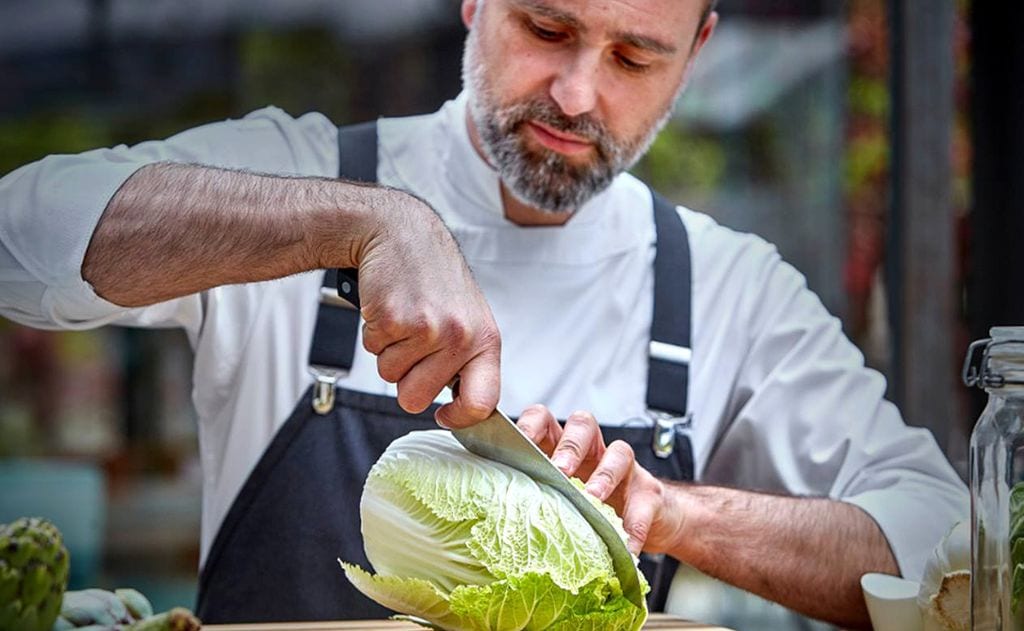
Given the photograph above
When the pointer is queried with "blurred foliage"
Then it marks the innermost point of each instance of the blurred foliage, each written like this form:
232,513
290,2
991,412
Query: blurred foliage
867,159
866,164
298,71
679,160
868,96
24,140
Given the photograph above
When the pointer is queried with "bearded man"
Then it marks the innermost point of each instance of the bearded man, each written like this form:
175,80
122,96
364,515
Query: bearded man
702,354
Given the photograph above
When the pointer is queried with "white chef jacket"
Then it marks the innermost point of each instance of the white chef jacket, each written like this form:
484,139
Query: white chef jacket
781,400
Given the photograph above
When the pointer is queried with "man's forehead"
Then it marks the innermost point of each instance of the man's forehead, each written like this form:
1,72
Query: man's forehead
647,21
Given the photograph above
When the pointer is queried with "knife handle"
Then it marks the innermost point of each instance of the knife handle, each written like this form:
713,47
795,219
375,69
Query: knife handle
348,285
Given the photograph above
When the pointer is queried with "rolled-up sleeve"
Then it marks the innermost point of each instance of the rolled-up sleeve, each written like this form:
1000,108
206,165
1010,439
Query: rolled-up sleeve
50,208
812,420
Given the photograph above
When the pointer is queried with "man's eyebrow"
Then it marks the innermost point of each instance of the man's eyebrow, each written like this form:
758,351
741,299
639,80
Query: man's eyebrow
546,10
647,43
636,40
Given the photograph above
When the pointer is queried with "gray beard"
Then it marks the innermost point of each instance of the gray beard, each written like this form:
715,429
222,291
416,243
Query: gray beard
545,179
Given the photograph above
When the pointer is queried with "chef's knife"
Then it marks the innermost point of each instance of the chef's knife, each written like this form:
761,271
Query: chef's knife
497,438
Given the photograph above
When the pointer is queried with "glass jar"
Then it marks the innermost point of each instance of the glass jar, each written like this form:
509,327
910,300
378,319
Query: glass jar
997,482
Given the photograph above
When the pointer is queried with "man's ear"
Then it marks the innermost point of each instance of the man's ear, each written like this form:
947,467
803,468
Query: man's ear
702,38
468,12
705,32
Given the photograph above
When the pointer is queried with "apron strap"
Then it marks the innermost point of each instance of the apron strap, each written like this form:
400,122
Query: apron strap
332,350
669,366
668,375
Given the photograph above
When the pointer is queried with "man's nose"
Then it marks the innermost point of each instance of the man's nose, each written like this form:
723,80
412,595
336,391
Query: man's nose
574,88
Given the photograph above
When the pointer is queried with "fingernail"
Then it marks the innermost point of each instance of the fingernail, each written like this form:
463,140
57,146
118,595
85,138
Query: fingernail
634,546
596,489
561,461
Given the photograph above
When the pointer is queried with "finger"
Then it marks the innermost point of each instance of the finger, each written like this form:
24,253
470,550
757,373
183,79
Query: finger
581,440
396,360
384,330
637,519
614,467
540,425
418,388
479,391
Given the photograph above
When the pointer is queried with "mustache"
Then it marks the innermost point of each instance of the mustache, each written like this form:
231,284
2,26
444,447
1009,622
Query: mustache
584,125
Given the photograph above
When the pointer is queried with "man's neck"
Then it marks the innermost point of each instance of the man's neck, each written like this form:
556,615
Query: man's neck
516,211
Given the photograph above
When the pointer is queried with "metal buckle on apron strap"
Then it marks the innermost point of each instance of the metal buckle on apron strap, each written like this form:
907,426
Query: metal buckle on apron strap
323,391
663,433
327,376
663,437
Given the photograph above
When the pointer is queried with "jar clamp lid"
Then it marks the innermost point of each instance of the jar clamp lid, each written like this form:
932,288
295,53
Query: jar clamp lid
978,368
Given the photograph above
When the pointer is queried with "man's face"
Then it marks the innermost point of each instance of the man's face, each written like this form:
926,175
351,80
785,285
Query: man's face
567,94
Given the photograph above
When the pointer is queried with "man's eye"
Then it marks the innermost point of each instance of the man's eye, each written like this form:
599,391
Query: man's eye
630,65
543,33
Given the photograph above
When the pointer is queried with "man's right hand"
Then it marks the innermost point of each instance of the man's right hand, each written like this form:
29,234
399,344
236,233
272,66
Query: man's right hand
425,317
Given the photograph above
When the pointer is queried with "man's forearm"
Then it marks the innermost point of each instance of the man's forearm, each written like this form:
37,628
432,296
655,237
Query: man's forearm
173,230
805,553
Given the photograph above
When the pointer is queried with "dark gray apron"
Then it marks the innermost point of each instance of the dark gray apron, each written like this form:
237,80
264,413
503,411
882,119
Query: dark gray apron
274,556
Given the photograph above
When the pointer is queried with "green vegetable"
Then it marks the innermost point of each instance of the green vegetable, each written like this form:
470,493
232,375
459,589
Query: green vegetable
1017,545
469,544
33,574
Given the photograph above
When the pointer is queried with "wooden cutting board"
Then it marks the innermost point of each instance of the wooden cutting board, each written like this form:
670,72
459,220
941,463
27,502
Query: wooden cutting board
661,622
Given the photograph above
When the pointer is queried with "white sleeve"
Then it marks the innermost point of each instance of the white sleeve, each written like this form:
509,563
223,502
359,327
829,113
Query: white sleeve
810,419
49,209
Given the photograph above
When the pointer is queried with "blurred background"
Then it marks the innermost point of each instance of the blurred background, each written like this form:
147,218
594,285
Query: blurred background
876,142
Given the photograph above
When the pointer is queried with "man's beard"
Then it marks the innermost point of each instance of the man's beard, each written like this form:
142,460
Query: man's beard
542,178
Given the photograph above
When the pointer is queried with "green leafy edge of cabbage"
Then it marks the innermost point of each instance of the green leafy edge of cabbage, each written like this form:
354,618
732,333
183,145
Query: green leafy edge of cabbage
528,602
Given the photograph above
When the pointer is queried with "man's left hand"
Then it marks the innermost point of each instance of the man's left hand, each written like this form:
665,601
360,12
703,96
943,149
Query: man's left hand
610,472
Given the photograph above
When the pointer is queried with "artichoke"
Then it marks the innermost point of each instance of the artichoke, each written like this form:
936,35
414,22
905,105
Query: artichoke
33,574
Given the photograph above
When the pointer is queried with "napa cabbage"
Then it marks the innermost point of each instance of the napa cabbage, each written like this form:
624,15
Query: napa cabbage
466,543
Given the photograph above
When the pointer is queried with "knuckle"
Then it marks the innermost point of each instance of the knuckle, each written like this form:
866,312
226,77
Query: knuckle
638,530
491,336
623,449
537,410
653,491
570,446
389,371
455,332
604,477
373,341
582,416
397,325
421,327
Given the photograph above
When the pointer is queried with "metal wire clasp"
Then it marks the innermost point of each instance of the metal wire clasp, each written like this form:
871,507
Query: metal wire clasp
663,434
978,369
324,388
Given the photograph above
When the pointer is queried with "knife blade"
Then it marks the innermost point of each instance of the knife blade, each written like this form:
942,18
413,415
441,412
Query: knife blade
497,438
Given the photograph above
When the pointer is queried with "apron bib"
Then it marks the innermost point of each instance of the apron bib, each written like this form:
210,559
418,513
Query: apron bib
275,555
